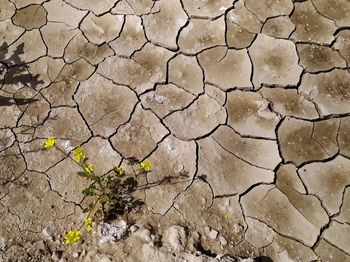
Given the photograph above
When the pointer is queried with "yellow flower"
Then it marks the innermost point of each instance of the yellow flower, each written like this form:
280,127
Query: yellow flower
88,228
73,237
49,142
146,166
119,170
79,154
89,169
88,222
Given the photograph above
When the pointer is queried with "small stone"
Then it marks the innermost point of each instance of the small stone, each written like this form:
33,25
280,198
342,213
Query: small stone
228,258
49,231
175,238
213,234
57,255
133,228
2,243
113,232
39,245
143,234
223,241
206,230
154,238
75,254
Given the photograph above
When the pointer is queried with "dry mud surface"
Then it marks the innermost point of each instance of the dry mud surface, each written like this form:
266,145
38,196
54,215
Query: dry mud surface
249,98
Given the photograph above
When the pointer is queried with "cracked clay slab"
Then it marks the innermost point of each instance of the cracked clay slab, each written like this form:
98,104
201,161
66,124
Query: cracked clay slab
241,106
249,115
102,108
269,205
303,141
162,27
172,157
226,68
199,119
140,136
226,173
330,91
327,181
275,62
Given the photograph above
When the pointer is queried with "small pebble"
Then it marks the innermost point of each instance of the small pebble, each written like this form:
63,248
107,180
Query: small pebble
206,230
223,241
133,229
39,245
213,234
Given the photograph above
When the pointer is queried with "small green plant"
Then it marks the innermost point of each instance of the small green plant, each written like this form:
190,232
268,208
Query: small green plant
111,193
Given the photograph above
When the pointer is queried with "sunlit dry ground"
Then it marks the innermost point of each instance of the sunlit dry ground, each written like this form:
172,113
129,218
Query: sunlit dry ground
251,99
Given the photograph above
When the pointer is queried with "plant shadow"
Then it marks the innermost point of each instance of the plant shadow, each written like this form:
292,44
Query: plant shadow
13,71
125,189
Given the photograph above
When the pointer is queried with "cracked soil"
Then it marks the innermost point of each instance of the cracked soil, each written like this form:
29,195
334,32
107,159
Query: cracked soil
249,98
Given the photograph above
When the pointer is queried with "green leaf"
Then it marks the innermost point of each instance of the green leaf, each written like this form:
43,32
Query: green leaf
91,207
104,199
83,174
88,191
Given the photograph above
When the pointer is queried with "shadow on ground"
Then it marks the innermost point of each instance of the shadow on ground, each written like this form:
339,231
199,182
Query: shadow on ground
13,71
